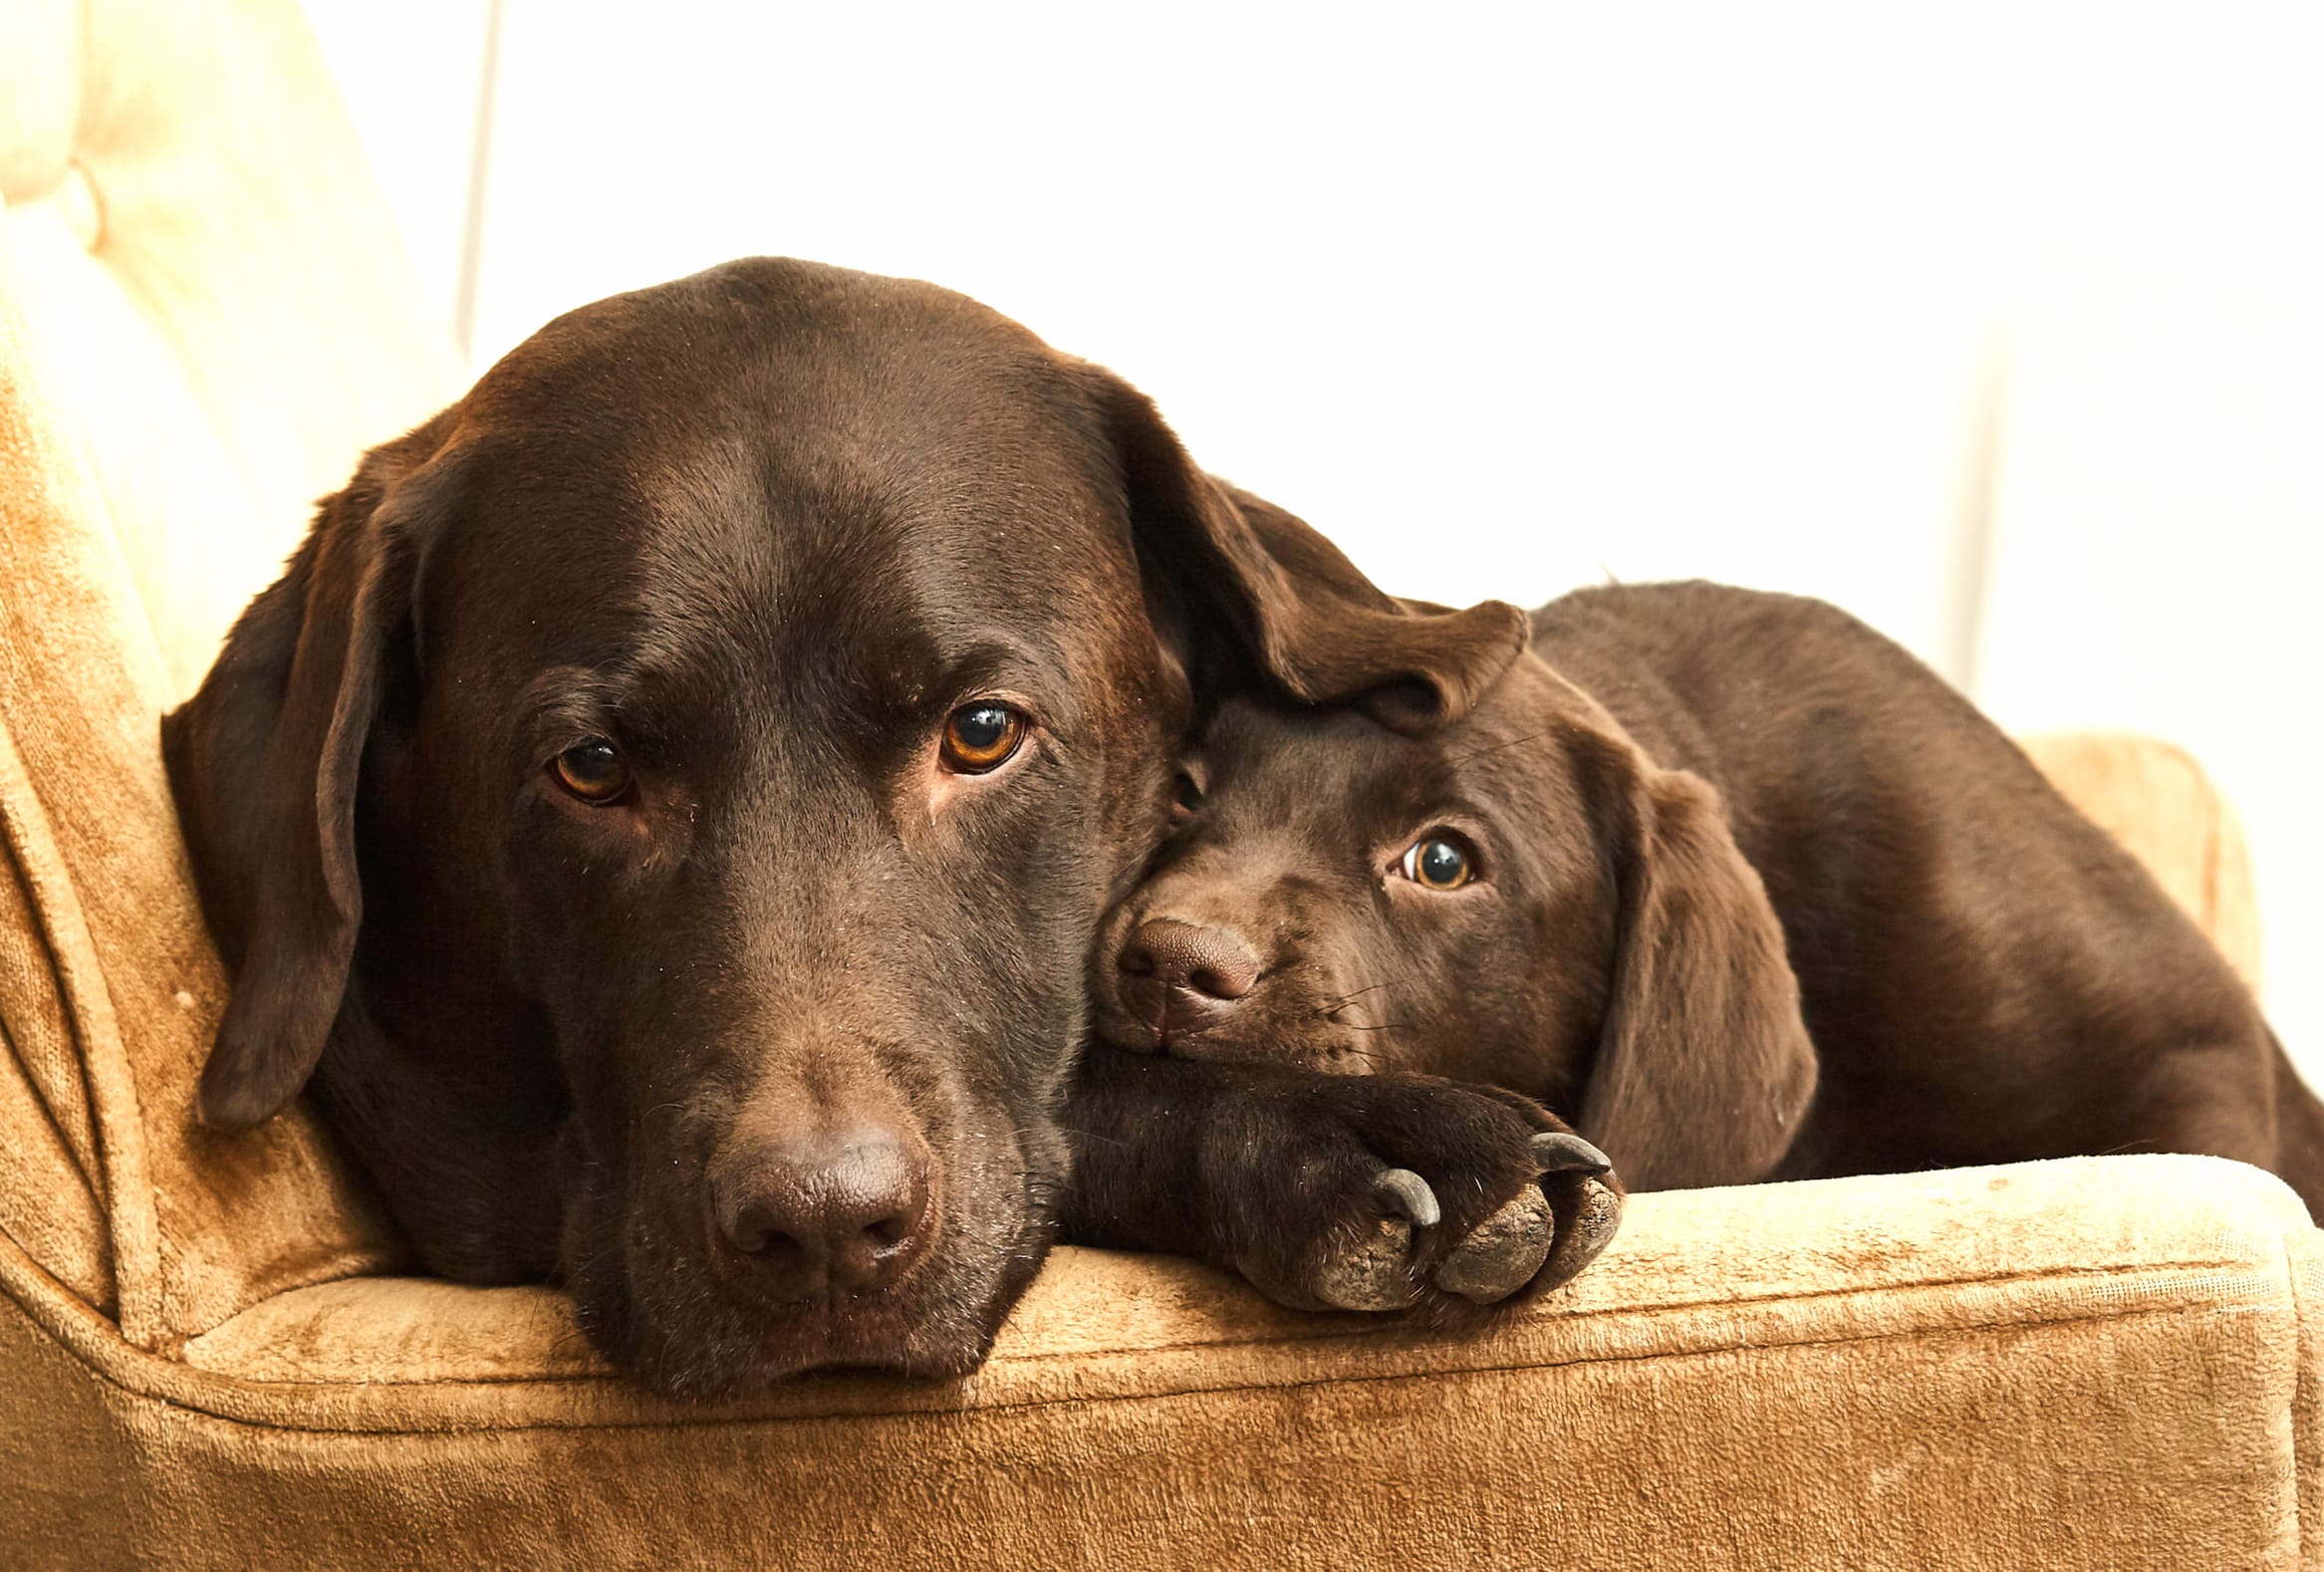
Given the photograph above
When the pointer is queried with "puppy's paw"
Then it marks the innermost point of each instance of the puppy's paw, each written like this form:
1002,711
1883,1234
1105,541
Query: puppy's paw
1547,1233
1407,1192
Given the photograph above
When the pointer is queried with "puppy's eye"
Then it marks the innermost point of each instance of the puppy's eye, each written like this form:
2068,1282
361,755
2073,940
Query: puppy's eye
593,771
981,737
1439,860
1187,796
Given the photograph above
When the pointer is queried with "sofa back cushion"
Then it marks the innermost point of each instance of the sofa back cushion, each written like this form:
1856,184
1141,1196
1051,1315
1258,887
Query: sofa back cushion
2154,799
205,317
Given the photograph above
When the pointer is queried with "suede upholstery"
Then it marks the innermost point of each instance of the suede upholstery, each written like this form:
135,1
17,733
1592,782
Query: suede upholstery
205,1358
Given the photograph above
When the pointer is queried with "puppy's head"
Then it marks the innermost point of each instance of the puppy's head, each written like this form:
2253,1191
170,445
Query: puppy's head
671,794
1519,899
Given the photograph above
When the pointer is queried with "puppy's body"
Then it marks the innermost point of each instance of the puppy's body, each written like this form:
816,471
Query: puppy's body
1886,943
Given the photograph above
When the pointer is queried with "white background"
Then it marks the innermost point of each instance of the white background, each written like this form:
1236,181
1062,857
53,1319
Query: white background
2002,327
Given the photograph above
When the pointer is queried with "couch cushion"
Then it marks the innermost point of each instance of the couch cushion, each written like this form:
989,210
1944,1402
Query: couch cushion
1690,1270
204,319
215,298
111,990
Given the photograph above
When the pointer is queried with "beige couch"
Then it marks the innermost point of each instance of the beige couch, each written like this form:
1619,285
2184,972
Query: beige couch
207,1356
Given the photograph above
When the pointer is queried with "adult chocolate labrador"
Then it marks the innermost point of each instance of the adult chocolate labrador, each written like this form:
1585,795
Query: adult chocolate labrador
667,801
1731,876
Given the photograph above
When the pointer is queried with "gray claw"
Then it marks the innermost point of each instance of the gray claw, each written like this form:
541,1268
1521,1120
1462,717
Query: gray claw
1563,1152
1407,1194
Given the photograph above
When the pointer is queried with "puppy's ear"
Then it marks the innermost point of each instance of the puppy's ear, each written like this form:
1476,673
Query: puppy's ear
263,761
1297,610
1704,1070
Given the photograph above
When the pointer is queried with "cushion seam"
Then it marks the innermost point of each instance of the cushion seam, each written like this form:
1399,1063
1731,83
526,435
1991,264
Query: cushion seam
1507,1369
1340,1335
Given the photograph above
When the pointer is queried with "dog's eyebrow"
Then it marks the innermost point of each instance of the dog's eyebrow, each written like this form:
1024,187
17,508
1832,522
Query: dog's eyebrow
995,659
571,697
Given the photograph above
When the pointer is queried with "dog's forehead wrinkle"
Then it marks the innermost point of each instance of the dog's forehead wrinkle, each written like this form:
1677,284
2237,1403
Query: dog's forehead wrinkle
1335,780
765,575
1505,771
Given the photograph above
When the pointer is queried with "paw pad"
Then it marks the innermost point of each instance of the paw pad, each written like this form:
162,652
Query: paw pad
1371,1276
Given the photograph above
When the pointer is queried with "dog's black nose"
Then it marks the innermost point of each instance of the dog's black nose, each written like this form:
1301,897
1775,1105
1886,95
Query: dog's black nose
1177,976
809,1207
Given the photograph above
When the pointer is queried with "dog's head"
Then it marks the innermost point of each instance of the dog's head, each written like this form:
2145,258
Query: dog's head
673,793
1521,899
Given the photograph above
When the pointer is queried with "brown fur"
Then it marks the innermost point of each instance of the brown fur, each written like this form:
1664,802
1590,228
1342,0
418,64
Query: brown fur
1759,895
764,528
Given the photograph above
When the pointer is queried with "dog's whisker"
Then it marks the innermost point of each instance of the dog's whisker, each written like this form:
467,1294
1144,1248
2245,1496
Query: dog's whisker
1496,747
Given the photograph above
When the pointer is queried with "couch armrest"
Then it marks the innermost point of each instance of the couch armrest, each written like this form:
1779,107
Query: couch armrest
2087,1363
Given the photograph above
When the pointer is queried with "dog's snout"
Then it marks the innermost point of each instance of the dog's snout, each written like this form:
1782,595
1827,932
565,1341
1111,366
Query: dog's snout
1210,961
810,1206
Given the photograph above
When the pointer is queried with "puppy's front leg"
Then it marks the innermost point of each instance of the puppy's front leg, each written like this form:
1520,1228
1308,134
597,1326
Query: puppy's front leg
1335,1192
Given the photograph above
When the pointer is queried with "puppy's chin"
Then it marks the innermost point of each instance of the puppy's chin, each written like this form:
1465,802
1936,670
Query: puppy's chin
1117,1029
1263,1042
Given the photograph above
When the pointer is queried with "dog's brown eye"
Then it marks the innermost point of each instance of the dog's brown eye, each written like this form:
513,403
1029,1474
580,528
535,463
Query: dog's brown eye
594,770
1187,796
980,737
1438,862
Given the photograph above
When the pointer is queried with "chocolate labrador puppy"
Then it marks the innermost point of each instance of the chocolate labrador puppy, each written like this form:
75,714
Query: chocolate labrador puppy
1730,875
668,803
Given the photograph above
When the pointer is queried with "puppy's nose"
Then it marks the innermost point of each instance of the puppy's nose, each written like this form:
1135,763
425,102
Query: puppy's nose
1180,979
811,1204
1210,961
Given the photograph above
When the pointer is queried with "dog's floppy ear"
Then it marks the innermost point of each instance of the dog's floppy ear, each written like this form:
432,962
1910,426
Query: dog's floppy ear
1704,1070
1299,611
263,761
